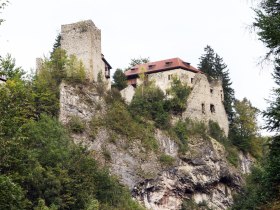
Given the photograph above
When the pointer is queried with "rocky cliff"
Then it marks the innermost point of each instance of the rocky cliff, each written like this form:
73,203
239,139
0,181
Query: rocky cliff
202,175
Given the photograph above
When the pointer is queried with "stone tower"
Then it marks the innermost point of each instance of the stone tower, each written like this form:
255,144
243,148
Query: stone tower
83,39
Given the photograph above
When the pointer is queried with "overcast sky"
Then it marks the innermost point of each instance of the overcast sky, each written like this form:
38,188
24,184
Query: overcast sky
158,29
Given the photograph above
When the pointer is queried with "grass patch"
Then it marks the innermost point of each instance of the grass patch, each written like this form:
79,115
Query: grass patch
166,160
119,121
191,205
76,125
183,130
231,151
106,154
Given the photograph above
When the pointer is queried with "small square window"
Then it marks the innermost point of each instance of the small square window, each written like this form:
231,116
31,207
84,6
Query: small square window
191,80
211,91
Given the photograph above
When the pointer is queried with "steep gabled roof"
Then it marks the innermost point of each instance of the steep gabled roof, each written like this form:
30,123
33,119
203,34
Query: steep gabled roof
163,65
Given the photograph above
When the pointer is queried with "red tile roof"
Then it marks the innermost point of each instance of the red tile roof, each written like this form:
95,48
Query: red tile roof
163,65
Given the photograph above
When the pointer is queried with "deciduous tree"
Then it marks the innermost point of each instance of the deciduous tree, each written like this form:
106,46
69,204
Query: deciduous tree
244,126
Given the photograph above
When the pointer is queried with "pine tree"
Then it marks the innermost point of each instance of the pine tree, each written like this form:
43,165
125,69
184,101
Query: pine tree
57,44
215,68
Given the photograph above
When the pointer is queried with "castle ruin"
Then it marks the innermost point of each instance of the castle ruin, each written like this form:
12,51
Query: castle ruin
83,39
206,99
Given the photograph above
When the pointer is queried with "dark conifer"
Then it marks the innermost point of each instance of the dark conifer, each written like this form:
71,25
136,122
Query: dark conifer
215,68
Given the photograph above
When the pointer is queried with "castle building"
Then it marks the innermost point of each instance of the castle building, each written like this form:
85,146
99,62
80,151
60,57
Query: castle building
83,39
205,101
162,72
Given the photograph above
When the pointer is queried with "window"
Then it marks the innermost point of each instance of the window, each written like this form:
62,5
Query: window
107,72
211,91
203,108
169,76
212,108
168,63
191,80
151,66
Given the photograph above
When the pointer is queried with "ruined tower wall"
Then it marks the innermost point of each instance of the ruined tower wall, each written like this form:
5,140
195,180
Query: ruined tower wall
206,102
83,39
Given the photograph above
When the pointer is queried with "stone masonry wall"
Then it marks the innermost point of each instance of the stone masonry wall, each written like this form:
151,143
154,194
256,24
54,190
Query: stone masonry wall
163,79
83,39
206,102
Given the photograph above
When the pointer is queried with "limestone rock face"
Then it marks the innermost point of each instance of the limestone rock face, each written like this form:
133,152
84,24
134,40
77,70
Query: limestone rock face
128,93
202,174
79,100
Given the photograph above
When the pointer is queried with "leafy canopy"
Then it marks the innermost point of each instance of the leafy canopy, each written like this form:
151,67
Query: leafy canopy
120,81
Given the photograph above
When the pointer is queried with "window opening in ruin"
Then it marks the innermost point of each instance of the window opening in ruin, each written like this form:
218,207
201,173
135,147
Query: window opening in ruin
211,91
191,80
107,72
203,108
212,108
222,97
169,76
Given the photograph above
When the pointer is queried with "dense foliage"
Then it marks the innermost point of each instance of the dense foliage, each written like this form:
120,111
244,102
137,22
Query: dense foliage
178,94
150,102
215,68
41,167
244,128
120,81
262,191
267,24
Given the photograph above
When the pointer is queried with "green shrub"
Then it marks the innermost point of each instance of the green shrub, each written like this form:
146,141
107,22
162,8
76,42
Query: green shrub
216,132
94,125
75,70
76,125
232,154
149,102
197,128
120,120
181,132
12,195
166,160
253,193
100,85
106,154
112,96
179,93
